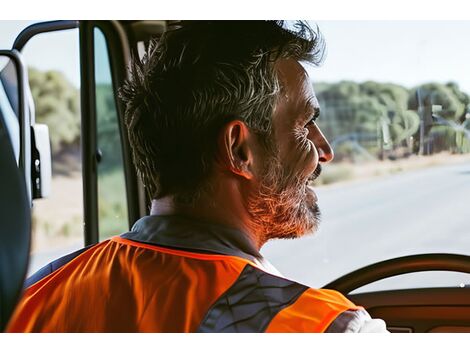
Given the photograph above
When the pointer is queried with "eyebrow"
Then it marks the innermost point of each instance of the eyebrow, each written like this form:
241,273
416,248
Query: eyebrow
311,110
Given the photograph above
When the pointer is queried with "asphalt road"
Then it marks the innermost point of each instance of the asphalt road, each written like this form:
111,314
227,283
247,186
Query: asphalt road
424,211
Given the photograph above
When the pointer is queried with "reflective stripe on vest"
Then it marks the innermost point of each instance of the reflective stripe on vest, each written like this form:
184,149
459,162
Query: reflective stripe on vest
251,303
261,302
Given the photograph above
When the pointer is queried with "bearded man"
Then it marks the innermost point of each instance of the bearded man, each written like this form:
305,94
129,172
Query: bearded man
221,118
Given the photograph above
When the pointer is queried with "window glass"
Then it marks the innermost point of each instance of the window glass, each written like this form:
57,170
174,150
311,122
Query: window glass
394,98
112,202
54,77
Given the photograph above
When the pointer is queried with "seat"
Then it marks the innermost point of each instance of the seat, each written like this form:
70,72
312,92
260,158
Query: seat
15,228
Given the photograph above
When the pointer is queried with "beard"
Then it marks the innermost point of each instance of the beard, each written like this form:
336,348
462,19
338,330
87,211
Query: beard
284,207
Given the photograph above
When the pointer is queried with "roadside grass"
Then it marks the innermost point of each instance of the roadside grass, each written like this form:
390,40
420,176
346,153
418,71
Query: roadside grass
57,221
336,173
345,171
112,203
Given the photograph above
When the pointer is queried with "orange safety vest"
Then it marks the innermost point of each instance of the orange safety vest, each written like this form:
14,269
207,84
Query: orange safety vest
129,285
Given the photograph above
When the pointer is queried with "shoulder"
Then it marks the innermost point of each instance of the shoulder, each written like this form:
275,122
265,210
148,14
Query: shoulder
276,304
316,310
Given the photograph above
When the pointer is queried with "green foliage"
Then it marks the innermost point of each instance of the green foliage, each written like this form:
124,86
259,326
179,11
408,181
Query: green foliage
57,104
345,109
107,128
111,184
464,98
448,138
369,117
452,100
404,125
383,116
112,203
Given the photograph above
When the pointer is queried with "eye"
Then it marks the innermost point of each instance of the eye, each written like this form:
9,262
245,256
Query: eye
311,122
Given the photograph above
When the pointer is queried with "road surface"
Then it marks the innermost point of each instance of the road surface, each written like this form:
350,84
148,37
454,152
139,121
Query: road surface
414,212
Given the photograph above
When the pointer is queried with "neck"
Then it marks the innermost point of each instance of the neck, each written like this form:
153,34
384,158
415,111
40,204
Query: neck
226,207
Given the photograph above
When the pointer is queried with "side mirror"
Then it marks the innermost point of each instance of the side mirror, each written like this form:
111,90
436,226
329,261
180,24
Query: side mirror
30,141
41,162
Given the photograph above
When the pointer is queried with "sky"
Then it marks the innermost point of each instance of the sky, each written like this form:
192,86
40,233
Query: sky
54,51
403,52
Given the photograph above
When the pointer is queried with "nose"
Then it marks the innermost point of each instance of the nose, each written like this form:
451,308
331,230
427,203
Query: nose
325,156
325,152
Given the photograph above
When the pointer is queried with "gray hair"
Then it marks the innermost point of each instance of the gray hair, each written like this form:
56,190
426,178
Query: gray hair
193,81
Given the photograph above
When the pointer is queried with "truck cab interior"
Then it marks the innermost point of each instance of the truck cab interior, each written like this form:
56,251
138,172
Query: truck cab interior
26,159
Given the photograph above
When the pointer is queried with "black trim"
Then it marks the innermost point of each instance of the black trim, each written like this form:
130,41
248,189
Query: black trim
251,302
88,130
118,54
199,251
23,117
42,27
53,266
399,266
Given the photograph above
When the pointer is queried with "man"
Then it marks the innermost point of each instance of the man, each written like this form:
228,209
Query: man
221,119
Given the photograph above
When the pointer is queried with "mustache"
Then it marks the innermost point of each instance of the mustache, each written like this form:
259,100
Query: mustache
316,173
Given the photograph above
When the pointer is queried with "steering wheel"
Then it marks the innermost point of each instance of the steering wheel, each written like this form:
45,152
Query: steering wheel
398,266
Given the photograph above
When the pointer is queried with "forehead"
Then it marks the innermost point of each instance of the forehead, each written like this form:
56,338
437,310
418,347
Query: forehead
297,97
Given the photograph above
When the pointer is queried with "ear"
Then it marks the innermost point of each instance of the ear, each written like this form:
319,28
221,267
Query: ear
235,149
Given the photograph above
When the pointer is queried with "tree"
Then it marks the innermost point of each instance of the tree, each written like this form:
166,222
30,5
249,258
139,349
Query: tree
356,112
107,127
447,96
57,105
454,105
373,114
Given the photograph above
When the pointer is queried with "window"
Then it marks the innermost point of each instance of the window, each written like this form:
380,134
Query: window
54,77
394,99
112,202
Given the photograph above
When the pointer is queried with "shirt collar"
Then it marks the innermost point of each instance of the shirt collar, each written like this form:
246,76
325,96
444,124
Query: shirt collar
189,234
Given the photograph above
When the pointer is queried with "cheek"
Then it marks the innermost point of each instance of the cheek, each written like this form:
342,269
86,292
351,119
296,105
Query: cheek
311,159
306,155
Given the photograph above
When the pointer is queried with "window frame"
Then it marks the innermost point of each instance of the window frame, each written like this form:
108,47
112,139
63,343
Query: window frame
119,57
